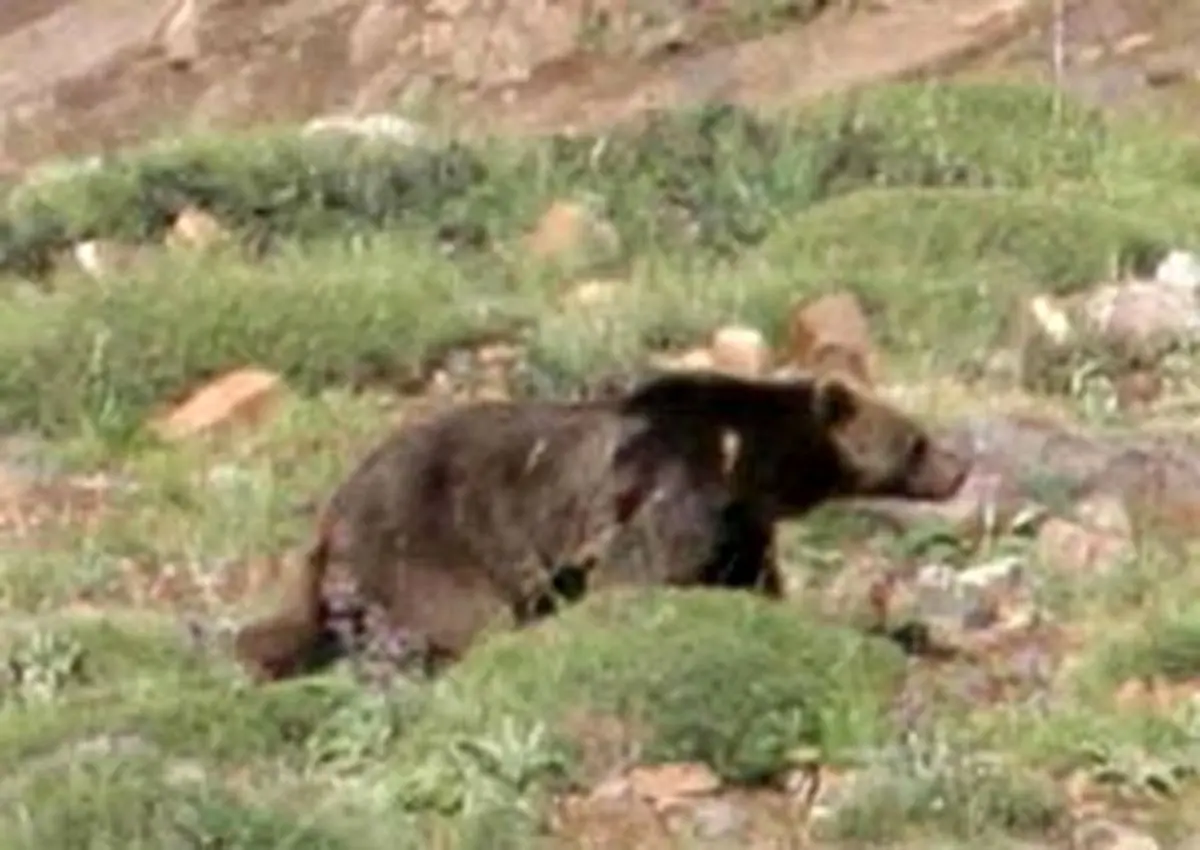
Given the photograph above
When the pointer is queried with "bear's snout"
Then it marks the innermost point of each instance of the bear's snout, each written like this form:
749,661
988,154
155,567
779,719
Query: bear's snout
939,475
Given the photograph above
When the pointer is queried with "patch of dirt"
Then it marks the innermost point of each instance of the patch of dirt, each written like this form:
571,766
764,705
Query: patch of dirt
510,66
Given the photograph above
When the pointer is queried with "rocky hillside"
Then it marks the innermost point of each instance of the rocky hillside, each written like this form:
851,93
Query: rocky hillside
200,332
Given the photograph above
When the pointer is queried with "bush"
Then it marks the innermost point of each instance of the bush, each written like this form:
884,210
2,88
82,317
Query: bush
137,803
208,718
717,168
1166,647
711,676
268,186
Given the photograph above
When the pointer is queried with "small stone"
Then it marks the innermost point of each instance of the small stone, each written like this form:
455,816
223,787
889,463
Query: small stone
1099,834
195,228
717,819
570,232
696,359
380,126
665,783
831,332
1179,268
1066,545
239,398
373,38
177,33
1140,315
103,258
740,351
1052,319
1131,43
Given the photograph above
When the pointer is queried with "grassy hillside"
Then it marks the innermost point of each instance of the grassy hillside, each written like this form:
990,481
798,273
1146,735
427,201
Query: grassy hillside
939,205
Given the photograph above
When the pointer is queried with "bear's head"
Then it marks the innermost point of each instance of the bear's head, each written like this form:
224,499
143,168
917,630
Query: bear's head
805,439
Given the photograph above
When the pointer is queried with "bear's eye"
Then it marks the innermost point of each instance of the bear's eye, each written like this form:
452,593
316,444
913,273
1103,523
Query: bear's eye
917,450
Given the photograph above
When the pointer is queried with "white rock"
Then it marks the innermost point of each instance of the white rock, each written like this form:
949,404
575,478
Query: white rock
380,125
1053,319
1179,268
740,350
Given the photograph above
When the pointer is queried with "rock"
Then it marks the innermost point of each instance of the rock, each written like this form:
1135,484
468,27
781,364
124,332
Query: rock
1180,269
571,233
1132,43
1123,326
380,126
713,820
103,258
374,37
831,332
195,228
1137,389
177,33
1051,318
968,600
740,350
243,397
666,784
1047,335
1142,317
1106,513
695,359
1164,71
1000,16
1100,834
1062,544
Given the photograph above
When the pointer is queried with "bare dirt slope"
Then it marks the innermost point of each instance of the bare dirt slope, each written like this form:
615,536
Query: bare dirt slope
84,75
78,75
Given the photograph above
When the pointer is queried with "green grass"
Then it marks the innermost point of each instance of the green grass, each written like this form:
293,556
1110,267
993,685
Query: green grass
939,205
905,194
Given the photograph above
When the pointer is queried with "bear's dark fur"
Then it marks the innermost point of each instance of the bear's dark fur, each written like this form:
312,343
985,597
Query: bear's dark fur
678,481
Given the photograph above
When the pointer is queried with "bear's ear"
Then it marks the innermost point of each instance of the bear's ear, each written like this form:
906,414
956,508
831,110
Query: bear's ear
833,402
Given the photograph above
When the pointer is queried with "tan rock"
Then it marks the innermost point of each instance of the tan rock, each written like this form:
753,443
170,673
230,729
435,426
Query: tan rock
1066,545
740,350
1132,43
831,332
375,35
195,228
243,397
695,359
570,232
664,784
178,32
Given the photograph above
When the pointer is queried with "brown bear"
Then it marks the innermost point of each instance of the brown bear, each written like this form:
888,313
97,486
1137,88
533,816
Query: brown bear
679,480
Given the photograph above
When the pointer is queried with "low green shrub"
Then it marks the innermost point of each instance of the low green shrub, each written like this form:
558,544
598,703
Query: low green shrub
711,676
141,803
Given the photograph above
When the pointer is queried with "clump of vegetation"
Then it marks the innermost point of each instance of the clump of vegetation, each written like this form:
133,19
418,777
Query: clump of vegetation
143,801
716,677
930,784
1165,648
907,194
